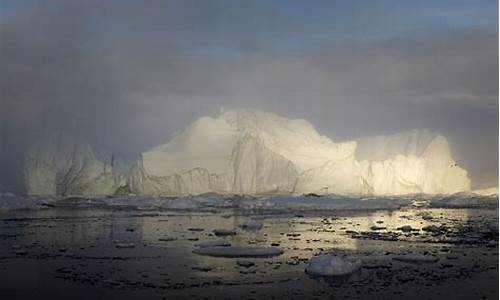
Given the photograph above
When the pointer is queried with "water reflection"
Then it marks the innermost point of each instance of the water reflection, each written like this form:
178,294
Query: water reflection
80,245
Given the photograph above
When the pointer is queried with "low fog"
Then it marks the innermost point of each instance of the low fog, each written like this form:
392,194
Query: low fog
127,74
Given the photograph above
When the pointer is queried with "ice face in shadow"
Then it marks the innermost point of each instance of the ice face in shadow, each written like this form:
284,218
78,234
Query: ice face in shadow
254,153
64,164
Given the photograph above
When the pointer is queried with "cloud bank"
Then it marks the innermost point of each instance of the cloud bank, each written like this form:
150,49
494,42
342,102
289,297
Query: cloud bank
128,75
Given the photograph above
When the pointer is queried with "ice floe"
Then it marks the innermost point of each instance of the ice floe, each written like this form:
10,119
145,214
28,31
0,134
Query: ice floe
239,251
215,243
331,265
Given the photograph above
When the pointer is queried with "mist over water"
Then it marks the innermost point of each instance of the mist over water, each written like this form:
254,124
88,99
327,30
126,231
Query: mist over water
126,76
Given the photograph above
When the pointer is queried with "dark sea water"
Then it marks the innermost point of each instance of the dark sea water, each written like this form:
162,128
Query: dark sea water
65,252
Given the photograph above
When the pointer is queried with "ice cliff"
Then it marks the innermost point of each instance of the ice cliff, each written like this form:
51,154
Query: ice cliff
63,164
254,152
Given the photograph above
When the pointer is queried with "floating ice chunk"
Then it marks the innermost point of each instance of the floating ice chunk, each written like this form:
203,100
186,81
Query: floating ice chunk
216,243
493,191
407,228
224,232
434,228
493,226
245,263
124,245
196,229
20,252
251,225
415,258
465,200
331,265
202,268
167,239
239,251
331,202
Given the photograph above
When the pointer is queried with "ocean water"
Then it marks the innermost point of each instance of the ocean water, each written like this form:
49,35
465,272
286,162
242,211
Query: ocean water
129,249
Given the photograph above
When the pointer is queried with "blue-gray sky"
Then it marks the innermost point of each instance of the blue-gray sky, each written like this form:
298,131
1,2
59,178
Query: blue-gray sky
128,74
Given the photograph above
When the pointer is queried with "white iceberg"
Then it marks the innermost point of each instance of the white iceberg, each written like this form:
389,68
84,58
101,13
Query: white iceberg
253,153
64,164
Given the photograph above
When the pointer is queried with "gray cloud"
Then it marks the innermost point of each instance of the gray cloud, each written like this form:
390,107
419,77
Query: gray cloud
128,76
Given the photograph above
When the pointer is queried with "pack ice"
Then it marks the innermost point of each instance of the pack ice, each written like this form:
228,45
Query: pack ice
254,152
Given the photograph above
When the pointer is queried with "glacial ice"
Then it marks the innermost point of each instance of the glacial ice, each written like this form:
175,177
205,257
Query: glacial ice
251,225
258,153
326,203
66,165
331,265
274,204
488,192
250,152
214,243
465,200
233,252
415,258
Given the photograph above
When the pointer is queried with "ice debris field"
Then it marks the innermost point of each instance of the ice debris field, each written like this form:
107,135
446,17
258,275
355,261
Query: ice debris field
273,204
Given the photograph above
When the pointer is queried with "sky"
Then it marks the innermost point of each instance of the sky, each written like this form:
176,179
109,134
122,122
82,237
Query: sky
128,74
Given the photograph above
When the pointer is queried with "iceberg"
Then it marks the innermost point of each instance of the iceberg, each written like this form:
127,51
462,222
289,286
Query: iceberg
259,153
250,152
64,164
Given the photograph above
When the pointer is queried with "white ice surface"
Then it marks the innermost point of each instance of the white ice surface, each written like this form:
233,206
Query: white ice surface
254,152
331,265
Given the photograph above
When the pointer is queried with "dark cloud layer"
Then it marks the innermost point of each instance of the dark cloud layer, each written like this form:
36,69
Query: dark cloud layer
127,76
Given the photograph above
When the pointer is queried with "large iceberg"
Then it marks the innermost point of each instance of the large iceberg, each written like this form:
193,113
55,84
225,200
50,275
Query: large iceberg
253,153
259,153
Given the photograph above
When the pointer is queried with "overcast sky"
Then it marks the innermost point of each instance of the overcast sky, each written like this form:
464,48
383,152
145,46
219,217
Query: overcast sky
128,74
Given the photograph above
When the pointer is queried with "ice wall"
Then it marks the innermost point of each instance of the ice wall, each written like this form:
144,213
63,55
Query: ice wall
253,152
257,153
63,164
